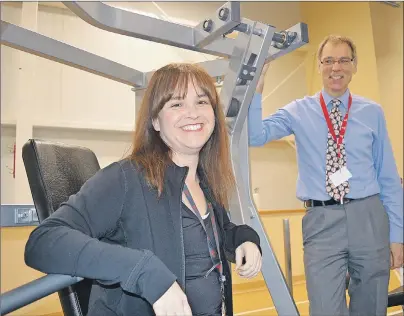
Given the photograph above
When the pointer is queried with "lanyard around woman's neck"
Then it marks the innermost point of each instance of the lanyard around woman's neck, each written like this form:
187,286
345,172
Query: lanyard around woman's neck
214,254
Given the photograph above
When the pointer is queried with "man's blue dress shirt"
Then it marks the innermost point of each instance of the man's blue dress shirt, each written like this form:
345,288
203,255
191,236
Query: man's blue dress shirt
368,149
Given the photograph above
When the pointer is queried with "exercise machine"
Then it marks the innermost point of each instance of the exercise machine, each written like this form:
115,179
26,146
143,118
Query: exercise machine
240,62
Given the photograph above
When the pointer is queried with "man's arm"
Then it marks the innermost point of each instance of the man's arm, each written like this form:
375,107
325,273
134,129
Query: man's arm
274,127
391,191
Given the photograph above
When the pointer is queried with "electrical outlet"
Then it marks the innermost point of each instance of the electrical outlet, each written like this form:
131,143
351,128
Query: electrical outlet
18,215
25,215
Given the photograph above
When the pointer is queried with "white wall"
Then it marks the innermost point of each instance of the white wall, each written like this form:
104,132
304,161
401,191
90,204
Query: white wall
387,27
9,67
107,146
65,97
274,172
7,162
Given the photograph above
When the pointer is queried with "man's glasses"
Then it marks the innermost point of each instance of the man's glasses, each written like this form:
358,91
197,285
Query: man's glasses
344,61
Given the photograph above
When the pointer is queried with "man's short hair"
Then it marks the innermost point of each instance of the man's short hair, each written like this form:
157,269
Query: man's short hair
337,39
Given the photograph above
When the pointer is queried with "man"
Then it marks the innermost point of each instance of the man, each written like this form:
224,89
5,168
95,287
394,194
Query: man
349,183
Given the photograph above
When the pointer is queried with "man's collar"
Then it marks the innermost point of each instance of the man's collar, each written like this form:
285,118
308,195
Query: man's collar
343,98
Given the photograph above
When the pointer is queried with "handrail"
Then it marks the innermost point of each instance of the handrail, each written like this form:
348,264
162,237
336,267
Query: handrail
51,283
35,290
396,297
288,254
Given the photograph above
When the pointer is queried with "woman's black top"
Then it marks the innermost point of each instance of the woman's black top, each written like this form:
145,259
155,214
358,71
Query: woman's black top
203,292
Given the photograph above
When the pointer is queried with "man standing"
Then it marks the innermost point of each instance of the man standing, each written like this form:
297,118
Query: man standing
349,183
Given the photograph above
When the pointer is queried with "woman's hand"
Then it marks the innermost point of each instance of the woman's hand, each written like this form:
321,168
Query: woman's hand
172,302
253,260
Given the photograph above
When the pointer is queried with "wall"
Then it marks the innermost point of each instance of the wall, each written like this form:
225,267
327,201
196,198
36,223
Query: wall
60,96
387,25
64,97
7,163
274,166
377,30
274,172
350,19
75,107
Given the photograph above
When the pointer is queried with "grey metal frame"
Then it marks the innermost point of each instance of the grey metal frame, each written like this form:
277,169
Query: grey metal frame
242,61
34,43
236,95
140,26
288,254
35,290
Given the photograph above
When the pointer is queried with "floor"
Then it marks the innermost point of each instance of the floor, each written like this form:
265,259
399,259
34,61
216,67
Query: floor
258,302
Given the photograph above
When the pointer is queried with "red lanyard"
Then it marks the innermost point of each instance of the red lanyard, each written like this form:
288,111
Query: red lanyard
341,135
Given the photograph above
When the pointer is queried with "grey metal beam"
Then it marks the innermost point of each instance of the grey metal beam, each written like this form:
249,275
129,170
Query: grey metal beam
242,206
249,54
302,38
34,290
288,254
144,27
34,43
225,19
136,25
215,68
220,67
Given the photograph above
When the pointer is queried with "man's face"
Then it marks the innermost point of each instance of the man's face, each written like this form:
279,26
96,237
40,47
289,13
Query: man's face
336,67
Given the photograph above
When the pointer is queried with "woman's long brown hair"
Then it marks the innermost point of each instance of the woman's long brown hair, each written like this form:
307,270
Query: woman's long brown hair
154,156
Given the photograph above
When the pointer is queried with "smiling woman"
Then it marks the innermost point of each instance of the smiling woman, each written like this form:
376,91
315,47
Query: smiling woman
180,116
152,228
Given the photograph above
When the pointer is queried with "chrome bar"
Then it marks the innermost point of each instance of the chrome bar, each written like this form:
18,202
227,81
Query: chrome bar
288,255
35,290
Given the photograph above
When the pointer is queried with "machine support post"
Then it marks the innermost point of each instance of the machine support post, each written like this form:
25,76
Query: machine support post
249,54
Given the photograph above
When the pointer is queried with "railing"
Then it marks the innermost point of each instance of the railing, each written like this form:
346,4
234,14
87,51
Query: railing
288,255
35,290
396,297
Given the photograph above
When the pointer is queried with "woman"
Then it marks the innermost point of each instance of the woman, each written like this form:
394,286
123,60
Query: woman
148,228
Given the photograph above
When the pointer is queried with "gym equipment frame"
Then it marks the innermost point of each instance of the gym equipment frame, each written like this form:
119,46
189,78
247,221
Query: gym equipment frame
240,62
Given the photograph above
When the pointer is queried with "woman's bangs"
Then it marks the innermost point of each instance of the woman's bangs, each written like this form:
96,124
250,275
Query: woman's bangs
204,86
174,83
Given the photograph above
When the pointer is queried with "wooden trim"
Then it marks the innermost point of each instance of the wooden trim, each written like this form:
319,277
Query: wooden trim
279,212
260,285
248,286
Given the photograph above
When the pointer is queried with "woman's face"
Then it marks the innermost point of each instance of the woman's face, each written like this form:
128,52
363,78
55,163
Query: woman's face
186,124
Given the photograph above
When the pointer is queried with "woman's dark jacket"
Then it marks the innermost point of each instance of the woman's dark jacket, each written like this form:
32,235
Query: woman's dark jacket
117,231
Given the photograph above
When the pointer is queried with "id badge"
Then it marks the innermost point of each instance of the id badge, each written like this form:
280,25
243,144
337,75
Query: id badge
340,176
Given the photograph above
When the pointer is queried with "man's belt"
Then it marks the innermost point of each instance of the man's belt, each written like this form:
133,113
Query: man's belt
313,203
